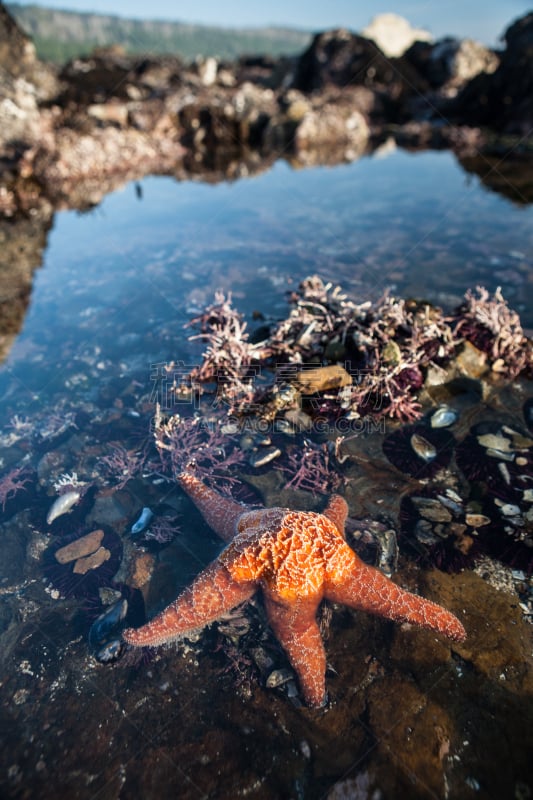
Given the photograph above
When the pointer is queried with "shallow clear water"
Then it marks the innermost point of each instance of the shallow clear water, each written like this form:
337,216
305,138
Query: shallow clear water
118,285
121,281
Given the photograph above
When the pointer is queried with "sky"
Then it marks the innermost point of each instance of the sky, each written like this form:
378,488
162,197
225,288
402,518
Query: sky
484,20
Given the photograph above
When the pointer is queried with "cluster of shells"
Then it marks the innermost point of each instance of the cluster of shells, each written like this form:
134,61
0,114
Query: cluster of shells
482,508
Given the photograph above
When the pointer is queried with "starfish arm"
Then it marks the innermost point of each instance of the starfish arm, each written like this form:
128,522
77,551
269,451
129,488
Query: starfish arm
337,511
220,513
363,587
212,594
297,630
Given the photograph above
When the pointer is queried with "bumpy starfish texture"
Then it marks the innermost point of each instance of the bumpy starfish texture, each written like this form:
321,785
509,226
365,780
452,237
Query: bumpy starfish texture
297,558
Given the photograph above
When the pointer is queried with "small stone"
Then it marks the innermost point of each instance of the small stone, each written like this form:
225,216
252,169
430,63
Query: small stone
391,353
298,418
436,376
79,548
431,509
93,561
471,361
108,595
322,379
477,520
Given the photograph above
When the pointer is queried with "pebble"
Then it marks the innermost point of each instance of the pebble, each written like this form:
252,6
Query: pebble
80,548
323,378
95,560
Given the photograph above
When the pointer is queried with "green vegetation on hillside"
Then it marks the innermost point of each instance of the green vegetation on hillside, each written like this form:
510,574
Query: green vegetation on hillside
61,35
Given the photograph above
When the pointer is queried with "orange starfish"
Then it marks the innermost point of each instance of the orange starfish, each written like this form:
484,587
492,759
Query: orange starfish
297,558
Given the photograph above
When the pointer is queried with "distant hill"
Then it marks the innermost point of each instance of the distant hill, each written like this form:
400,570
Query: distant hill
61,35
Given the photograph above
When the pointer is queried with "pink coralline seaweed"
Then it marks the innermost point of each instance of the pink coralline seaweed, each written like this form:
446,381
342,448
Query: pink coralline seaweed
386,346
228,355
121,465
489,324
163,530
310,470
189,443
10,484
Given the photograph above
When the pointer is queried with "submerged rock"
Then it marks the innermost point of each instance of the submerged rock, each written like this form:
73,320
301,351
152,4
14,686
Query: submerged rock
92,561
79,548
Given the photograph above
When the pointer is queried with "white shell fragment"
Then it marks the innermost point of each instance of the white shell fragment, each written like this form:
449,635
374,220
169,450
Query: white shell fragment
278,678
510,510
504,455
261,457
62,505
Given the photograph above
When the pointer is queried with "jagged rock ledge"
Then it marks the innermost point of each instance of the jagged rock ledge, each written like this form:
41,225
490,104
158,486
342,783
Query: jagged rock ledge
69,137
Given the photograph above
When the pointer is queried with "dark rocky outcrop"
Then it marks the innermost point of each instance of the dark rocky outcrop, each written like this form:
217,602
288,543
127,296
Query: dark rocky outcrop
502,100
344,60
451,63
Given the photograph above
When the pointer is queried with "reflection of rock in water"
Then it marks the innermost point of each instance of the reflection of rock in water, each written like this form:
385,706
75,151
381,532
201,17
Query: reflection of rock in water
22,244
511,176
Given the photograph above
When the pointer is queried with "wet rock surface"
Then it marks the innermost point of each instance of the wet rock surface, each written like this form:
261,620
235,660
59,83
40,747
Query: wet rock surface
412,714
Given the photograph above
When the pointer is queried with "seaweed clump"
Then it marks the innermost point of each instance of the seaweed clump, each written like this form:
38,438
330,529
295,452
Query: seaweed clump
385,348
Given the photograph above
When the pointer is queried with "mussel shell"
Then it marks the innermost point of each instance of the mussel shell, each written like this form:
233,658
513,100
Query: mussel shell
443,417
108,622
419,450
423,449
110,651
144,520
495,441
